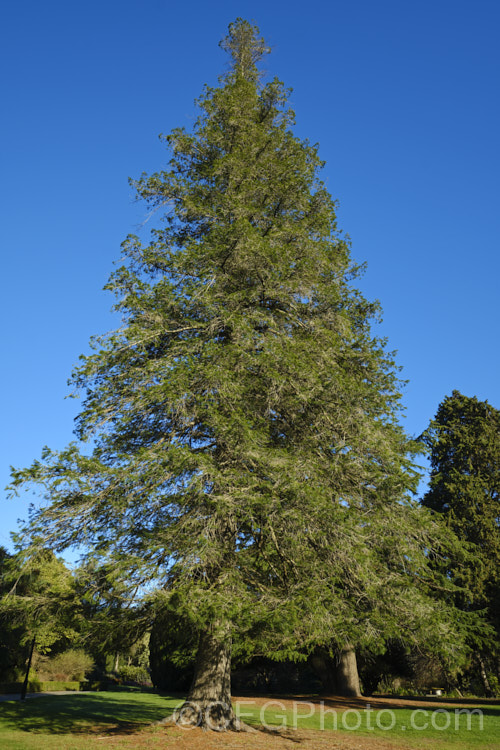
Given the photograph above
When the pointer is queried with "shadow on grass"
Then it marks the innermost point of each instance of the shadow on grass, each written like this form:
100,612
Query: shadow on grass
488,706
89,713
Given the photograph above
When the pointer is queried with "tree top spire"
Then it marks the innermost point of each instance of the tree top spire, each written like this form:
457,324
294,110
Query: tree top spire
245,45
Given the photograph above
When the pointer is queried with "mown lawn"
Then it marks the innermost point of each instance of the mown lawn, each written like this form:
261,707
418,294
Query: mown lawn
64,722
124,719
476,727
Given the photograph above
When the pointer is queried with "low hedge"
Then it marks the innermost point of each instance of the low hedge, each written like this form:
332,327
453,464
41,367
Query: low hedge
36,686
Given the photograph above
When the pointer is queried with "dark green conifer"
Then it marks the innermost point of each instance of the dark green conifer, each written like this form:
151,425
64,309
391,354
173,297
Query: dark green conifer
464,443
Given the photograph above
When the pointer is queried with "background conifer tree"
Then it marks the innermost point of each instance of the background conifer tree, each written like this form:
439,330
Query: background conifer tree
247,458
464,444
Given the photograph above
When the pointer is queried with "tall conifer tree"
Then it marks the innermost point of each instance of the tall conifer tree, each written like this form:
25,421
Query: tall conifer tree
464,445
247,456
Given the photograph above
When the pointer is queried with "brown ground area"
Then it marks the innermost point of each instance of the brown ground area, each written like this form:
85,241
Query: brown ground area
197,739
168,737
378,702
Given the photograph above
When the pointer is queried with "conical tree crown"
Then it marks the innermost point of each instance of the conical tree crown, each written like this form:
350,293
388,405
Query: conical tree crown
464,443
247,455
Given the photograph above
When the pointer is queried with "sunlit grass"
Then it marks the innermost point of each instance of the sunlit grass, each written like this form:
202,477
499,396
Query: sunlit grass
43,722
77,721
443,727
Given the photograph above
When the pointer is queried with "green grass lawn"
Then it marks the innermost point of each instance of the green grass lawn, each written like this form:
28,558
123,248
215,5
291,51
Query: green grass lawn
421,728
47,721
75,721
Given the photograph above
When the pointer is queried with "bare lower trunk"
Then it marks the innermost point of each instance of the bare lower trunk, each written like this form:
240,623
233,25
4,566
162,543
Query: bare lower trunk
484,677
338,675
347,673
209,700
25,683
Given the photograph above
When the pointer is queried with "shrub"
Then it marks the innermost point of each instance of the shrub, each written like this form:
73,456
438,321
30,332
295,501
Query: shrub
135,674
74,664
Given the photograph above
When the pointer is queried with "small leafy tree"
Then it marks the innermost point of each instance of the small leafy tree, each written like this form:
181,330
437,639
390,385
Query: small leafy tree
39,597
38,604
72,664
13,652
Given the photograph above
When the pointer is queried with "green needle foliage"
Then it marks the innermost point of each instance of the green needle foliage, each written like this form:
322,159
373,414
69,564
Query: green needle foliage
244,450
464,444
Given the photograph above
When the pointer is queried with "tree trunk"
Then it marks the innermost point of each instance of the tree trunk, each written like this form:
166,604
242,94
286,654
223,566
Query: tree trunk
208,703
25,683
324,667
347,677
339,676
484,677
117,663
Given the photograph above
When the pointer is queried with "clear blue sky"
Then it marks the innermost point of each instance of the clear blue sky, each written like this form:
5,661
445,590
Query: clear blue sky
403,98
